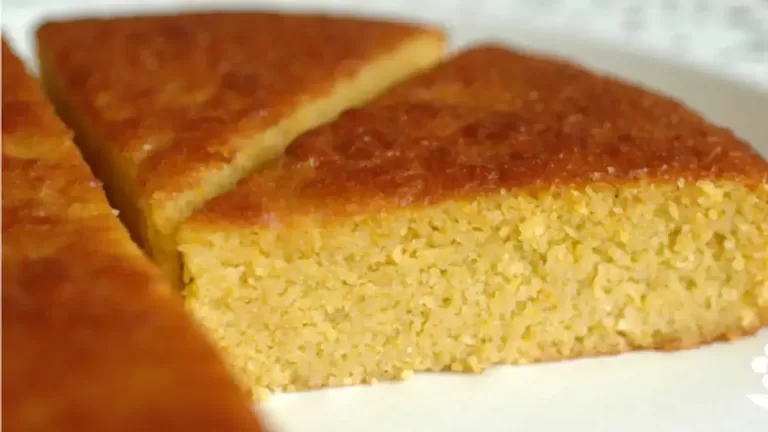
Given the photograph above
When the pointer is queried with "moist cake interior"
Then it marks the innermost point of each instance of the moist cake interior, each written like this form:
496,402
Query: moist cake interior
510,278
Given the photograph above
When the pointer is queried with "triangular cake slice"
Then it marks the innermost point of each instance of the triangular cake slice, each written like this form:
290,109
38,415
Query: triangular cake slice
501,208
93,338
173,110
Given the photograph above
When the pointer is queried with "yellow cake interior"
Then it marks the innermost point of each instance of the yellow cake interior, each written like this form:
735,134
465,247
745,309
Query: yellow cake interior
514,278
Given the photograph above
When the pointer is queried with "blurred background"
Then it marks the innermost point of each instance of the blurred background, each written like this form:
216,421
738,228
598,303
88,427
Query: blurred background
730,36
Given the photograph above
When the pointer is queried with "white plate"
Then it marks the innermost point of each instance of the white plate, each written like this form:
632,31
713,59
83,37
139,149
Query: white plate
703,390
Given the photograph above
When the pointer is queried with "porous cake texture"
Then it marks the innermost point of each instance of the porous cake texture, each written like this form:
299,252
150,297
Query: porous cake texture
173,110
501,208
93,339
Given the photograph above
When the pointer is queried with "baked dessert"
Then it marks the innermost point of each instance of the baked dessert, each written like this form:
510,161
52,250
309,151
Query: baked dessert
93,339
500,208
173,110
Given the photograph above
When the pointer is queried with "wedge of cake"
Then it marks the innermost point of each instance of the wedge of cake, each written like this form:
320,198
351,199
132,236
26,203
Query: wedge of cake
501,208
93,339
173,110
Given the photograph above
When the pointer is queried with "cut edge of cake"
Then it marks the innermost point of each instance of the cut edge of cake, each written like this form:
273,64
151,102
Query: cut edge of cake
593,270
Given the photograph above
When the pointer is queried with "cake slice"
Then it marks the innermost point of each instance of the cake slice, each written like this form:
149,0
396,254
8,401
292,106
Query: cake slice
173,110
501,208
93,339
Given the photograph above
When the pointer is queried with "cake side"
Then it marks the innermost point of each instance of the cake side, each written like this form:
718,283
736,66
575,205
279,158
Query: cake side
462,285
204,99
561,214
93,338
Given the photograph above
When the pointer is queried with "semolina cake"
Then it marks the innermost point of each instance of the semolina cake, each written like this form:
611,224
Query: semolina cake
173,110
93,338
502,208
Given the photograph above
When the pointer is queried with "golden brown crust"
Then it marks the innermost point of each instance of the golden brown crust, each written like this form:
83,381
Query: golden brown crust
487,120
92,338
175,122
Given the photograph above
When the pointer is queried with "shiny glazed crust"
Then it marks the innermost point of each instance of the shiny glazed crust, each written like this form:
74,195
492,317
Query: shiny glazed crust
92,337
174,124
487,120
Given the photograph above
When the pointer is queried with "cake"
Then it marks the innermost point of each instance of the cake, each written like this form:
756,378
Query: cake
501,208
93,338
171,111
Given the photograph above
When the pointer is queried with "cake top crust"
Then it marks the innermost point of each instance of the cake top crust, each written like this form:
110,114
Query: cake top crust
180,95
45,181
487,120
93,338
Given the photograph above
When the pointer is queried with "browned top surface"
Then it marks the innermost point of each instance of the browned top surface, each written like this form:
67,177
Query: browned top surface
174,93
92,338
488,119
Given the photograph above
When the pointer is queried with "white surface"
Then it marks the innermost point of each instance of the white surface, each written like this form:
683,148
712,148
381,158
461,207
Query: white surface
727,35
703,390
